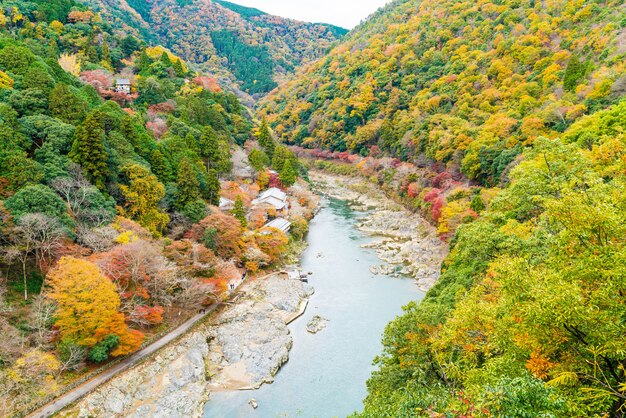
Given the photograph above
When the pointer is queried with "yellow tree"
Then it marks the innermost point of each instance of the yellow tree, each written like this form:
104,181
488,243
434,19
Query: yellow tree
88,306
142,199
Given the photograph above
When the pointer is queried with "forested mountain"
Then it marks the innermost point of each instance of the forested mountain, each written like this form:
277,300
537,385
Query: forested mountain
503,123
245,46
107,146
467,84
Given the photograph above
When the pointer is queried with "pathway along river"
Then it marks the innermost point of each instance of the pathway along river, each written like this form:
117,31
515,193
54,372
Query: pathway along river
326,373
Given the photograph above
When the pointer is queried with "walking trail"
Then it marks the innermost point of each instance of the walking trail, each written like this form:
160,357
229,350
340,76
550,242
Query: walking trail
77,393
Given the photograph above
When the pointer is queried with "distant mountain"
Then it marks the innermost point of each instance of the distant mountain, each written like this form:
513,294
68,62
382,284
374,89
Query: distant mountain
464,83
250,48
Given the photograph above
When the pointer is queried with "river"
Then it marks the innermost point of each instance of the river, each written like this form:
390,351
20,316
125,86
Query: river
327,372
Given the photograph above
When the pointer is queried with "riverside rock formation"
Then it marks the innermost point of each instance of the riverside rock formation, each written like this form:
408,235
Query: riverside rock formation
250,342
316,324
243,346
404,241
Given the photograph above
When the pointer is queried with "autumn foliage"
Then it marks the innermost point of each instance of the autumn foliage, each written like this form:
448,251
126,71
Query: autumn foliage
88,306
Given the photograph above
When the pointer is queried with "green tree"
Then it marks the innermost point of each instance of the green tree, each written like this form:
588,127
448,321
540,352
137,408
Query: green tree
160,166
129,45
143,62
178,67
16,59
210,148
90,50
38,78
65,105
187,184
88,149
195,211
287,174
100,352
281,154
105,54
165,59
239,212
258,160
574,72
213,186
477,204
265,139
37,199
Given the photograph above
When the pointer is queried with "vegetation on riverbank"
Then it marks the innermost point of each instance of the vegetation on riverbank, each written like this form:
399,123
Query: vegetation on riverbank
503,125
110,230
525,318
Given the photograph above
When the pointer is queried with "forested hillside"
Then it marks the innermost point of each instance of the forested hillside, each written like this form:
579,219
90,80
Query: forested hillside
113,157
503,123
237,44
464,83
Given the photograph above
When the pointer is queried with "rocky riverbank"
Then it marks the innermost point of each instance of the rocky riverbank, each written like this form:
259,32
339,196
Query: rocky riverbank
406,243
250,342
244,346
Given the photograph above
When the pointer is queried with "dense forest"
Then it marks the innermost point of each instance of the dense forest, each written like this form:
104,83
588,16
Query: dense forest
503,124
243,47
113,159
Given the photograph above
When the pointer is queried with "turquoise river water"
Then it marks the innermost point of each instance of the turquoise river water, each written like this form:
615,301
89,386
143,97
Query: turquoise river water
327,372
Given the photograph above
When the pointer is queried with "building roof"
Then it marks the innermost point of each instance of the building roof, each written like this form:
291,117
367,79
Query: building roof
274,197
280,224
273,192
122,81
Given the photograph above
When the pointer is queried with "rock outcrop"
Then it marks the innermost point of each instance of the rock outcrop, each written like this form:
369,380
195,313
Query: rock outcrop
250,342
406,243
316,324
244,346
173,384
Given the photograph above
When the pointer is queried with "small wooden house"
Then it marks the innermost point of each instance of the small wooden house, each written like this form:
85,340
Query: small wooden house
280,224
123,85
274,197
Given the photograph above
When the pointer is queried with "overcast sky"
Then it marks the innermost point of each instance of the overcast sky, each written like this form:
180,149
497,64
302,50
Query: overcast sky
344,13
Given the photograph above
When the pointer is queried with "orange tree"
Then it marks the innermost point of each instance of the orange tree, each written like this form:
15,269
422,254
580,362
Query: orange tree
88,305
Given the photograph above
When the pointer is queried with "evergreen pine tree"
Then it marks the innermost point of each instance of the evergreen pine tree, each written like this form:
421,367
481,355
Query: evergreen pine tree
191,143
265,139
187,184
65,105
105,55
127,128
165,59
214,187
90,49
258,160
178,67
209,148
239,212
225,163
281,153
574,72
159,166
53,49
477,204
287,175
88,150
144,62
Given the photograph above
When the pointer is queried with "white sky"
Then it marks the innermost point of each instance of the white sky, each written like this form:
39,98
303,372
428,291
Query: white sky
344,13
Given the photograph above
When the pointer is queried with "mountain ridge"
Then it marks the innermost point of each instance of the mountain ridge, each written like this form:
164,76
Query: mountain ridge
219,37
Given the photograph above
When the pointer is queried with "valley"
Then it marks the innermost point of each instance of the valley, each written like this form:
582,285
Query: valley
452,174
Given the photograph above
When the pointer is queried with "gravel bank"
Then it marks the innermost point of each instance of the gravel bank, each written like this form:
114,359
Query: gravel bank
406,243
243,347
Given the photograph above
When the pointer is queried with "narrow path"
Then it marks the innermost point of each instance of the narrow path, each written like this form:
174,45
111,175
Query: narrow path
65,400
77,393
